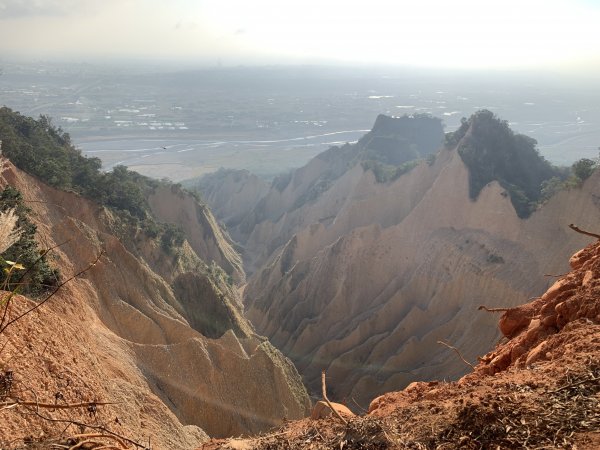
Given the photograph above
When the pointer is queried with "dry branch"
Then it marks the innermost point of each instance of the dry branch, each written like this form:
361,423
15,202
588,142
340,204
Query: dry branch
92,427
6,405
88,436
575,384
458,353
587,233
333,410
485,308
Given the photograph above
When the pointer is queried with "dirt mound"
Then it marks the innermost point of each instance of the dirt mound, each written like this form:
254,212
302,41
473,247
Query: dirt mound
539,389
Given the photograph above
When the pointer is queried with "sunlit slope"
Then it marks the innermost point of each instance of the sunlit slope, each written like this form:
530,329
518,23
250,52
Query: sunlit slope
366,277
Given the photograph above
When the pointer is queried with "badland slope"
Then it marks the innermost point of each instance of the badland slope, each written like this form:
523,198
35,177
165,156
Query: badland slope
158,333
537,389
232,194
362,275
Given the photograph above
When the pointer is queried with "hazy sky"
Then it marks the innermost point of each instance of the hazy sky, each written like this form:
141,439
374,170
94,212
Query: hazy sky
448,33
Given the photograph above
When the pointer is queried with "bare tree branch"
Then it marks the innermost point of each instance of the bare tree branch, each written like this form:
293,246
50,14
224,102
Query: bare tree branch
587,233
485,308
333,410
11,404
30,310
458,353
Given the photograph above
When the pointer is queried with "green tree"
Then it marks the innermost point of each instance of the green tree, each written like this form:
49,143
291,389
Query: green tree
583,168
37,276
492,151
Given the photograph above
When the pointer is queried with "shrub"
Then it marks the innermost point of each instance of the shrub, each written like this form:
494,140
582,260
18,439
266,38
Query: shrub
41,149
583,168
37,276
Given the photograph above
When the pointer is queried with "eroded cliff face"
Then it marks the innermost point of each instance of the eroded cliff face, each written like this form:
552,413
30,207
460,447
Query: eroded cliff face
174,352
363,278
172,205
537,388
232,194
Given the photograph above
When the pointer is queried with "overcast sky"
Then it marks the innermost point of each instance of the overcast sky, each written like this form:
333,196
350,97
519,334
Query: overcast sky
429,33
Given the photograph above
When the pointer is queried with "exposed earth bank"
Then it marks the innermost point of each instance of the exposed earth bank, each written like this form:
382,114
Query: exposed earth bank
157,335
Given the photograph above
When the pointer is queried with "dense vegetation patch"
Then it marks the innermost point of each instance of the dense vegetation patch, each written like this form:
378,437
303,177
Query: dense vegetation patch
385,173
492,151
395,145
25,267
45,151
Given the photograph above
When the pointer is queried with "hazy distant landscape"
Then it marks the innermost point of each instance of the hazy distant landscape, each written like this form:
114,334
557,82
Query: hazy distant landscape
300,224
182,124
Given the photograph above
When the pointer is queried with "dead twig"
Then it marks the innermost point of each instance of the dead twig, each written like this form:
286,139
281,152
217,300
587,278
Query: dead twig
360,407
92,427
30,310
6,405
574,384
333,410
485,308
82,443
458,353
88,436
587,233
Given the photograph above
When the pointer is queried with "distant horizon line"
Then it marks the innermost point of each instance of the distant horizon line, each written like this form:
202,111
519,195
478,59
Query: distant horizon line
179,65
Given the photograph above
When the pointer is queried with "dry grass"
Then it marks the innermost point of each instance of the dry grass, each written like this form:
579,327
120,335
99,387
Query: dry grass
9,233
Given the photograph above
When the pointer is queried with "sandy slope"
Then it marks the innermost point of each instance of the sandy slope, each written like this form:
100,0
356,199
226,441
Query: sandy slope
122,333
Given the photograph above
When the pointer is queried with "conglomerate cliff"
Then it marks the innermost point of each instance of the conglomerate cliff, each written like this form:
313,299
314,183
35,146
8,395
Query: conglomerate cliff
158,335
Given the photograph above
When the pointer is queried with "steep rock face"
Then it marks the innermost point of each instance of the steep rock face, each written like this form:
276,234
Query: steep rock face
172,205
231,194
159,345
280,212
537,388
365,278
536,329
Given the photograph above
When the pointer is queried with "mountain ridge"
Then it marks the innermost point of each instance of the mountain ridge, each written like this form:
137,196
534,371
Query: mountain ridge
389,258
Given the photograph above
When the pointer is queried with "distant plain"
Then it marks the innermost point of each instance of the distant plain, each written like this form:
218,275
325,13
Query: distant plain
182,124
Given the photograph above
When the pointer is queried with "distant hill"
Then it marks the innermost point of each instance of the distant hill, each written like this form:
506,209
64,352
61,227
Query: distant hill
493,152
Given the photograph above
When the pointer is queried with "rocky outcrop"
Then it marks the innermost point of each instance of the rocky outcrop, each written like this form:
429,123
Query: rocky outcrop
176,356
571,299
171,204
546,397
231,194
322,410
